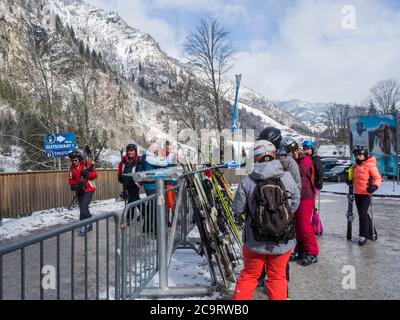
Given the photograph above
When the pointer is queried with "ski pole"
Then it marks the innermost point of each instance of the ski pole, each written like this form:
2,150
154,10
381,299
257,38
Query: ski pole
372,220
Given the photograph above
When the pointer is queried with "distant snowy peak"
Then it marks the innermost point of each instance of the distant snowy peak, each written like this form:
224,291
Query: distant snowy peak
301,109
312,114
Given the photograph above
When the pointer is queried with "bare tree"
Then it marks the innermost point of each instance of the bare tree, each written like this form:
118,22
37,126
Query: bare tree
187,105
386,95
209,49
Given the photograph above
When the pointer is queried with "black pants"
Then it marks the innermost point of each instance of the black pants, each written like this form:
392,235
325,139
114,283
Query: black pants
133,194
84,201
149,219
363,202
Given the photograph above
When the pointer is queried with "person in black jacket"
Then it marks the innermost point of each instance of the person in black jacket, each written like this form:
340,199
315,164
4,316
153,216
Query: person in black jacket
129,165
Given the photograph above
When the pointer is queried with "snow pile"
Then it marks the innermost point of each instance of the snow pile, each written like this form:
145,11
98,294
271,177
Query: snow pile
388,189
14,228
10,162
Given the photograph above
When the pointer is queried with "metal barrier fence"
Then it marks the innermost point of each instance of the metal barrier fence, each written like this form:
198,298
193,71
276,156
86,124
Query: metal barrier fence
145,233
59,265
143,246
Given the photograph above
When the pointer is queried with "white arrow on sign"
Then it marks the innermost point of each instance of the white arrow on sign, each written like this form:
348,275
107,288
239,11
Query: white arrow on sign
60,138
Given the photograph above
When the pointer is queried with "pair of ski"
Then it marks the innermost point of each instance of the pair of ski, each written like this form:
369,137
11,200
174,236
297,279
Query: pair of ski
218,239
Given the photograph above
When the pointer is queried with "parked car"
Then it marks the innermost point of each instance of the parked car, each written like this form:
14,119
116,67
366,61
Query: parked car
329,166
337,173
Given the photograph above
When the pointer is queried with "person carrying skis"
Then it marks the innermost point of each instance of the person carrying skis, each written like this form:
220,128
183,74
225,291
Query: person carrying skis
307,247
266,249
81,176
129,165
366,180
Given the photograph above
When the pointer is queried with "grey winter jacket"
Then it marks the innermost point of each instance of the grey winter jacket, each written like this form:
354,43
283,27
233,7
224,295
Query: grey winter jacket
245,202
291,165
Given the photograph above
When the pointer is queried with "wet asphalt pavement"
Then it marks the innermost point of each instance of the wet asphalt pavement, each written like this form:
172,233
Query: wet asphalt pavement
376,265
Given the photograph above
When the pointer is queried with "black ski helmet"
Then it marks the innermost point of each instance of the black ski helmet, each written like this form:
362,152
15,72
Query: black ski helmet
272,135
131,146
357,150
75,154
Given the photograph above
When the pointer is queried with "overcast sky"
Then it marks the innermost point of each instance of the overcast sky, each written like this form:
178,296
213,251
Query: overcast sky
287,49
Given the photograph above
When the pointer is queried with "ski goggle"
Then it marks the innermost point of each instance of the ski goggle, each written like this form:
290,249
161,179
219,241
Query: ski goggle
359,150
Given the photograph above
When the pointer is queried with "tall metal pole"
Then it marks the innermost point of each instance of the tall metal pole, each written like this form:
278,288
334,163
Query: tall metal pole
59,159
162,235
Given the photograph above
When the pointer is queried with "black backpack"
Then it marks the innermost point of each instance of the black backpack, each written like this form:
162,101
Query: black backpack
273,220
318,172
141,160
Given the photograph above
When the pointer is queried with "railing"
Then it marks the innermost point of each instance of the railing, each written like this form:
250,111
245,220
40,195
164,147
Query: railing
60,265
144,235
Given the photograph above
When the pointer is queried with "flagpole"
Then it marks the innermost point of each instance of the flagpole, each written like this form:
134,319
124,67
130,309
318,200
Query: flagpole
235,115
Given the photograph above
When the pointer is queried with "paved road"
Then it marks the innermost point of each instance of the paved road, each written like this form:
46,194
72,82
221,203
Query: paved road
376,264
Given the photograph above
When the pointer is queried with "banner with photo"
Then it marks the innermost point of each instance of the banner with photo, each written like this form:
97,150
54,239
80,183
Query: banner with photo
379,134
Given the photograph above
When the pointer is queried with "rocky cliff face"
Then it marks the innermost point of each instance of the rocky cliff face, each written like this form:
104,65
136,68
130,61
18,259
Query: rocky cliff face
68,65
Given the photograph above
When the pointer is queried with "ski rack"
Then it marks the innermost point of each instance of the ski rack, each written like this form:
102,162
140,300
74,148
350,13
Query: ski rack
164,251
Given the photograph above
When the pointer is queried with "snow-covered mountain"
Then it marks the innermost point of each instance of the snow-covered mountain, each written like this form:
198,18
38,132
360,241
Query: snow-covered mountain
137,56
312,114
69,61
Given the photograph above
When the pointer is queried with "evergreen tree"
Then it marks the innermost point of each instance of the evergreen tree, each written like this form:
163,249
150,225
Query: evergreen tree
81,48
393,108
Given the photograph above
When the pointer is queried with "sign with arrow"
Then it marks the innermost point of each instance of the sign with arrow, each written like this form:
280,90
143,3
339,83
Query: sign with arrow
58,145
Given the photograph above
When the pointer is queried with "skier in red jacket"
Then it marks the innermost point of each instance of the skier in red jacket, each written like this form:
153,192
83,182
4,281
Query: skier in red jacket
81,176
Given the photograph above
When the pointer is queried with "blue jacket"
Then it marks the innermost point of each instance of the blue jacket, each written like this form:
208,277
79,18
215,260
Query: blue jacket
154,162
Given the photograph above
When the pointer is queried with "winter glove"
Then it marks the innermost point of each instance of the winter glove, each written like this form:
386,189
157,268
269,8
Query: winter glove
372,188
73,187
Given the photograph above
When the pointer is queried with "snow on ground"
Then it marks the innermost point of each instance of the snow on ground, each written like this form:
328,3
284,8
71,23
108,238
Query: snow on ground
10,163
386,189
14,228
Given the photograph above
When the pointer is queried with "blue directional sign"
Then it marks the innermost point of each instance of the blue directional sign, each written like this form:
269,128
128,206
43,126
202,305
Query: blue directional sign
58,145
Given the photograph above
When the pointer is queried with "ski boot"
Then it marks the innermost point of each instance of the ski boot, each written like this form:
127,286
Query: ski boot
362,241
309,259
